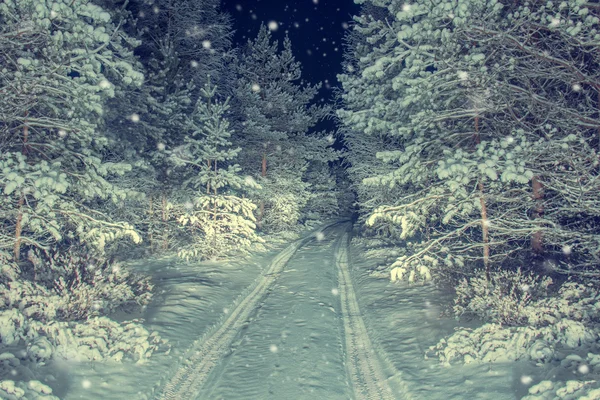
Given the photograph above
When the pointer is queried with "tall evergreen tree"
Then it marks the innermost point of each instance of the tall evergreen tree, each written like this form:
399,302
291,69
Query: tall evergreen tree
217,219
60,63
275,120
453,92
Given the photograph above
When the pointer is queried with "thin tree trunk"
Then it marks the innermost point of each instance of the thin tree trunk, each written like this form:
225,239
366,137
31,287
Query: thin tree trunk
165,216
150,222
19,228
215,193
485,229
19,221
208,183
537,244
262,202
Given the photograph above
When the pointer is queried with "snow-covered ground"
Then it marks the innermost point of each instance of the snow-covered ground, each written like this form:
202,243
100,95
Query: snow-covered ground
190,299
405,321
293,345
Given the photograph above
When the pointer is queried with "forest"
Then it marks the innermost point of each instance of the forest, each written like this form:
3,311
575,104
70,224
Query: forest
464,164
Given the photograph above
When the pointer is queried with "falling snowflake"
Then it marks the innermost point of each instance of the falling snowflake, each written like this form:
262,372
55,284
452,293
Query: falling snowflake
566,250
273,25
320,236
330,139
335,291
86,384
62,133
296,25
576,87
554,22
134,118
156,10
463,75
206,44
525,288
583,369
238,7
249,180
345,25
161,146
104,84
510,139
526,380
273,348
316,1
53,14
255,87
406,7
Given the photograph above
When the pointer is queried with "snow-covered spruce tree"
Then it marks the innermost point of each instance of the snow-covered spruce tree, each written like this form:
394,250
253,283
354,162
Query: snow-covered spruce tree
60,62
216,219
546,78
396,94
274,118
181,43
463,162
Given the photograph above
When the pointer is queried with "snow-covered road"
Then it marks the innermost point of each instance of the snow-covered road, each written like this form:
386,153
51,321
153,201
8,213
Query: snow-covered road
293,343
309,322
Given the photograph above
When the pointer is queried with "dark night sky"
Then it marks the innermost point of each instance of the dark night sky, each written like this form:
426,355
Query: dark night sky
315,27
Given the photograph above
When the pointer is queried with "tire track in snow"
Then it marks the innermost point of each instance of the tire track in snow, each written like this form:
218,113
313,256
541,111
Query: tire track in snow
367,375
205,354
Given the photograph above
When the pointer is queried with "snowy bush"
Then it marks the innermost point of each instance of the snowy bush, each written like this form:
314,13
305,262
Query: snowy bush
11,390
282,214
56,306
580,390
501,299
567,320
86,286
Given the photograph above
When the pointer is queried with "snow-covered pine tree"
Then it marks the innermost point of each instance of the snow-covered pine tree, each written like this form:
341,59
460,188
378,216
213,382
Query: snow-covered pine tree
216,219
60,63
182,43
274,119
413,89
479,117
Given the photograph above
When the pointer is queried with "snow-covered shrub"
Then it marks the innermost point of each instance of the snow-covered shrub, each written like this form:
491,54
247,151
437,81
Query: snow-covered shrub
491,343
412,270
567,320
501,299
282,213
55,306
85,286
11,390
580,390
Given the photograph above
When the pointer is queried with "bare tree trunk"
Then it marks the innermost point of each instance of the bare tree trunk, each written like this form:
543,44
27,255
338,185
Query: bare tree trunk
262,202
151,222
485,229
165,217
208,183
19,229
19,221
537,244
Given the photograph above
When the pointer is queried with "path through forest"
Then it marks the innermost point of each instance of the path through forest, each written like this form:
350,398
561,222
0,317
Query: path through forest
310,323
294,342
